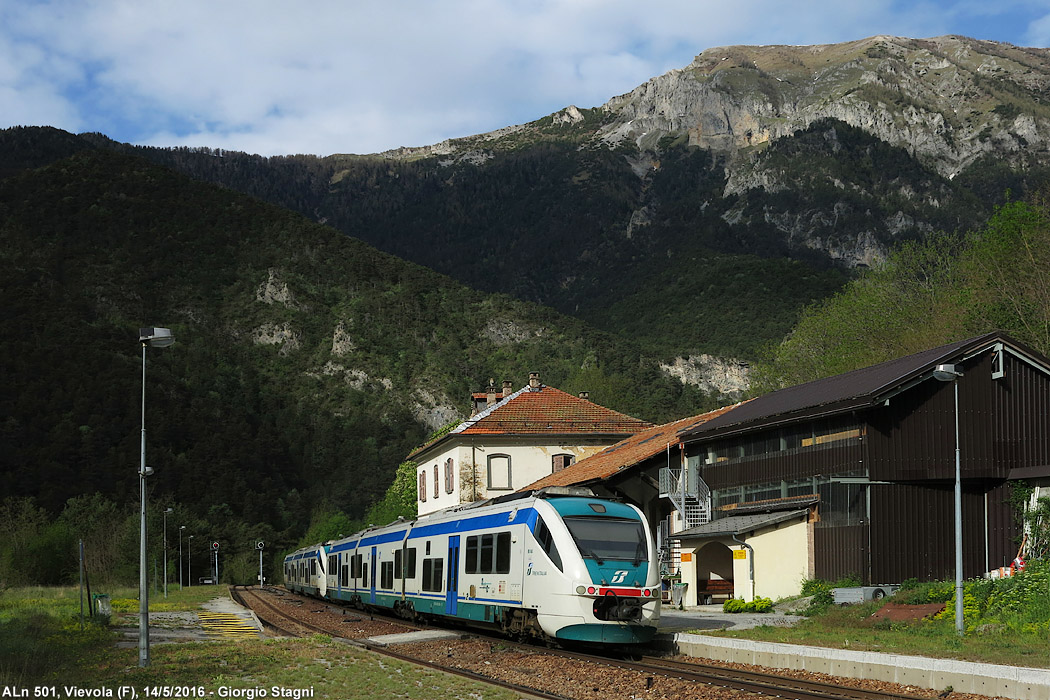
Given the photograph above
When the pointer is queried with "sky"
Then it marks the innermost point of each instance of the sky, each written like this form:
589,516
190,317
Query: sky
364,76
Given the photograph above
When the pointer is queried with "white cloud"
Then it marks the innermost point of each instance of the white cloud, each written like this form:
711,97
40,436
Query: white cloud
363,76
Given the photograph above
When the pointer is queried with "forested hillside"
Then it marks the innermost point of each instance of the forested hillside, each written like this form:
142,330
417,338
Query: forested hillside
944,289
306,364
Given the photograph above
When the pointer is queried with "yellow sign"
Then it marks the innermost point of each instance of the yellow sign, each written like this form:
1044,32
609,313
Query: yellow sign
687,556
740,554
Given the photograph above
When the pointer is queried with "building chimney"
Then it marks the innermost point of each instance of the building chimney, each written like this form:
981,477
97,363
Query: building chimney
534,380
508,388
491,398
585,395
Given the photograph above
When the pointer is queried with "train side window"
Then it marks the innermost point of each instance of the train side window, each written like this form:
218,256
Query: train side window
345,578
333,564
405,563
313,567
488,545
470,557
503,553
410,563
364,575
433,574
386,575
546,540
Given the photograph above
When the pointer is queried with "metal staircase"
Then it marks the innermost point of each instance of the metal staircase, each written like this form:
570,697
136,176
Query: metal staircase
687,492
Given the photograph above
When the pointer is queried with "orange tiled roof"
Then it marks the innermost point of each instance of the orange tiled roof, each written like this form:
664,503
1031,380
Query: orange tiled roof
545,409
625,453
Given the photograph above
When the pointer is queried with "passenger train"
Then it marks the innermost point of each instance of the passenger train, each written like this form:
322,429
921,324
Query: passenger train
557,564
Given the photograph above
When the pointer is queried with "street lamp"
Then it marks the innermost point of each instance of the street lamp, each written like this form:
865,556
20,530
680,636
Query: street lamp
166,513
189,561
158,338
951,373
181,528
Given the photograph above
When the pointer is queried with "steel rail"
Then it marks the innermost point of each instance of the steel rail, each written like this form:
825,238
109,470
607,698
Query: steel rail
523,691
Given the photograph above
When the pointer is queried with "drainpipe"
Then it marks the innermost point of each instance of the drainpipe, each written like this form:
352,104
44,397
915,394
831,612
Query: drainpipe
750,562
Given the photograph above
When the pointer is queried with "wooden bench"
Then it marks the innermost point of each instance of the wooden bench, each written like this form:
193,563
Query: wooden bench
708,588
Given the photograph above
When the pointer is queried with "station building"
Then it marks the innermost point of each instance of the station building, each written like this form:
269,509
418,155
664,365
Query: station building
852,475
512,439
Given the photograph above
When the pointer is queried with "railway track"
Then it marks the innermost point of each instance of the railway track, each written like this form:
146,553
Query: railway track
584,675
281,622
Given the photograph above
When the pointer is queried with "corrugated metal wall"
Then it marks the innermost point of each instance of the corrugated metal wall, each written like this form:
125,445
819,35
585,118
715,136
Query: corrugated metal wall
913,532
1003,424
840,552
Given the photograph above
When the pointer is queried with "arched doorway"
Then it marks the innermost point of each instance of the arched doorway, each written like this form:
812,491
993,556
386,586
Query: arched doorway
714,572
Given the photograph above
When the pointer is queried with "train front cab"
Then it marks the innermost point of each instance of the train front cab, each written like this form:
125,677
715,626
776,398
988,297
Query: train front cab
609,591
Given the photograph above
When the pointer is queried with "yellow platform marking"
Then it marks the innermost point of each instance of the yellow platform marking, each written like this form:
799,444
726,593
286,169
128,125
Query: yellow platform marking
227,625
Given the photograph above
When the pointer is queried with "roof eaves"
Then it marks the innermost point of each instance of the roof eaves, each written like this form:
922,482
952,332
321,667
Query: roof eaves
487,412
870,397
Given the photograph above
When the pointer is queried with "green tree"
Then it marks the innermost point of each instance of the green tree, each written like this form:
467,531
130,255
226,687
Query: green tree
399,500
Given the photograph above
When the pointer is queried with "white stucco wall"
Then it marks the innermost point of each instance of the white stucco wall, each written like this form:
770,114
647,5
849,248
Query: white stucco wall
530,459
782,559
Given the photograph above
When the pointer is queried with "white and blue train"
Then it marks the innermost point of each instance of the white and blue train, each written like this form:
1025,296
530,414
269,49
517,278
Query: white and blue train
555,564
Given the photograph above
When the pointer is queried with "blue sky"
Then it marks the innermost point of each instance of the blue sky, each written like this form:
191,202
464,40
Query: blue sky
363,76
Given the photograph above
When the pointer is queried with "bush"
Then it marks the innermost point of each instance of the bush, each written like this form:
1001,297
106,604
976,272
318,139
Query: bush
737,605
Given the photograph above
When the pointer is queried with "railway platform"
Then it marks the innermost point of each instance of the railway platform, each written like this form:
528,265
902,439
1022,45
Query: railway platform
682,630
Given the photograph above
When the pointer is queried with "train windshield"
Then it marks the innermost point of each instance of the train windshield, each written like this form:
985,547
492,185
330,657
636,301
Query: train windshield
609,538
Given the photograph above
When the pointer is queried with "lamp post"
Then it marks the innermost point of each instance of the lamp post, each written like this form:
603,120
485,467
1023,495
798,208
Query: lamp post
181,528
950,373
189,561
158,338
166,514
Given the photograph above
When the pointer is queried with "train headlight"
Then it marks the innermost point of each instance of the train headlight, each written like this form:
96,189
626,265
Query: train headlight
580,590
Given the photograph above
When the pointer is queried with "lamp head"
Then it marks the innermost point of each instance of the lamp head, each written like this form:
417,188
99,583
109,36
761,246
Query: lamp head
156,337
947,373
147,471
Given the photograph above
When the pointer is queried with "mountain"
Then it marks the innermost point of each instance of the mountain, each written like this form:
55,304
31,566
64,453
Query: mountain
306,365
699,213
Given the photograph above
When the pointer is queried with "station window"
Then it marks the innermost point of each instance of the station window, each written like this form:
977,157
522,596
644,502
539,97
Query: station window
423,486
499,473
450,484
559,462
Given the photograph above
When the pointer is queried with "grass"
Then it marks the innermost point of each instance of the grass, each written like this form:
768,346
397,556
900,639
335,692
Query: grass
852,627
1007,622
43,645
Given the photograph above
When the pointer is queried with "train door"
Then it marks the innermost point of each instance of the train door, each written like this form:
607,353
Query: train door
375,575
322,565
452,590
